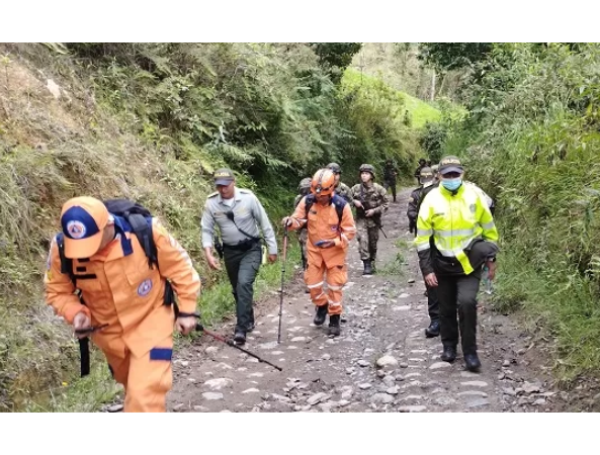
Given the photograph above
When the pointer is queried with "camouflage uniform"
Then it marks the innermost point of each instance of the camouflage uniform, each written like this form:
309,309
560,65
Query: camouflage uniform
344,191
304,189
341,189
389,178
374,197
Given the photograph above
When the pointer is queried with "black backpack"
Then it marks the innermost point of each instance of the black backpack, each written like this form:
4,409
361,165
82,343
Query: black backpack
338,201
140,220
138,217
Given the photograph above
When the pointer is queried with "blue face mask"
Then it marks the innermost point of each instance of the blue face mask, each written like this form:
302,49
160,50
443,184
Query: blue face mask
452,184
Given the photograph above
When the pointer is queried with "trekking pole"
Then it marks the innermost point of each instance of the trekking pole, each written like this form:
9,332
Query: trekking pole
285,240
382,231
199,328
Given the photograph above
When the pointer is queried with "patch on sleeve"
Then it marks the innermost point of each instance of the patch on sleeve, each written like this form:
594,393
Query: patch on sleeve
161,354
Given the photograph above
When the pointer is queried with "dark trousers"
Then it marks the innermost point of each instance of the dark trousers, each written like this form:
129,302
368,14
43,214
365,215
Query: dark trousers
389,184
459,293
433,304
242,268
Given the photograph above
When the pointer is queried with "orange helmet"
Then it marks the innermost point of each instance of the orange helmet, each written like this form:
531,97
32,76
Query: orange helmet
323,182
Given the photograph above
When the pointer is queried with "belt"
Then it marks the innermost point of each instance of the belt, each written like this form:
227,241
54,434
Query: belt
242,245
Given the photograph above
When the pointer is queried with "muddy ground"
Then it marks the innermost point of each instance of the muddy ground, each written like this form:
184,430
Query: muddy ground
386,315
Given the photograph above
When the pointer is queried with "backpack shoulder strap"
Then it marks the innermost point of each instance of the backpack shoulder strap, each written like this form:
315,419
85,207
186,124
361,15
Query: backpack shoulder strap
66,264
140,220
142,228
308,203
339,203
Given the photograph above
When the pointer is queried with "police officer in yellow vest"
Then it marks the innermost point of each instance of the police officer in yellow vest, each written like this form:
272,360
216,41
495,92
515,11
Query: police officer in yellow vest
456,237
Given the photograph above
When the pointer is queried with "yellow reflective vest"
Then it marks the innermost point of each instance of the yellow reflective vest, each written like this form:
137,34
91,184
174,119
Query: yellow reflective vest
454,219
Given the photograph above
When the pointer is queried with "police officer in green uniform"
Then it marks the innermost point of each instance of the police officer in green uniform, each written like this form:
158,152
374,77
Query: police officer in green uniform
371,201
238,213
304,189
414,203
341,189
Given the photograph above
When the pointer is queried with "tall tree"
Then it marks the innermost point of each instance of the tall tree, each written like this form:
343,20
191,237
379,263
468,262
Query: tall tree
335,57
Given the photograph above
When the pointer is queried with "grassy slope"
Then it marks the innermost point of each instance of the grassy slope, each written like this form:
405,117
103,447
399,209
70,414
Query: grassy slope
420,111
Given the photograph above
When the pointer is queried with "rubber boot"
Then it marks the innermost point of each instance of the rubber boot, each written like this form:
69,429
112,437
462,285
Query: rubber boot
320,315
367,268
334,325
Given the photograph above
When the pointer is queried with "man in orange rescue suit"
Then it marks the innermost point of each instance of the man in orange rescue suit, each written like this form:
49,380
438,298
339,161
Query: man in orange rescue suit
331,227
121,291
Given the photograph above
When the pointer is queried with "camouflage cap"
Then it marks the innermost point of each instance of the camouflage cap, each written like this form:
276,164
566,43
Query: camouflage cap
305,184
367,168
335,168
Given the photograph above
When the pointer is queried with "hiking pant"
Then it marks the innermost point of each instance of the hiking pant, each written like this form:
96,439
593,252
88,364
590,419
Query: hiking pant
367,240
336,276
433,304
391,184
459,293
146,379
242,268
302,238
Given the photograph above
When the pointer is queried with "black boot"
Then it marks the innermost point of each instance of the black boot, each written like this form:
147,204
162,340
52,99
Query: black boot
321,314
449,354
367,267
433,330
239,337
334,325
472,362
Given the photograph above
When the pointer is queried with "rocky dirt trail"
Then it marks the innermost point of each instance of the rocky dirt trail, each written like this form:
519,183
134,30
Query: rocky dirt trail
382,362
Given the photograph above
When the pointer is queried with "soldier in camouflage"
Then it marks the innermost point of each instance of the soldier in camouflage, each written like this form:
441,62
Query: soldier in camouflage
341,189
389,177
304,189
371,201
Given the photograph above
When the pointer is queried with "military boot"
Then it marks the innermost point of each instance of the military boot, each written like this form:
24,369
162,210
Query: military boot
433,330
239,337
472,362
320,315
367,267
449,353
334,325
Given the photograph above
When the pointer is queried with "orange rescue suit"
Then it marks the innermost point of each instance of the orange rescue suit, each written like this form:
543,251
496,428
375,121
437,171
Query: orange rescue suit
323,223
122,291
